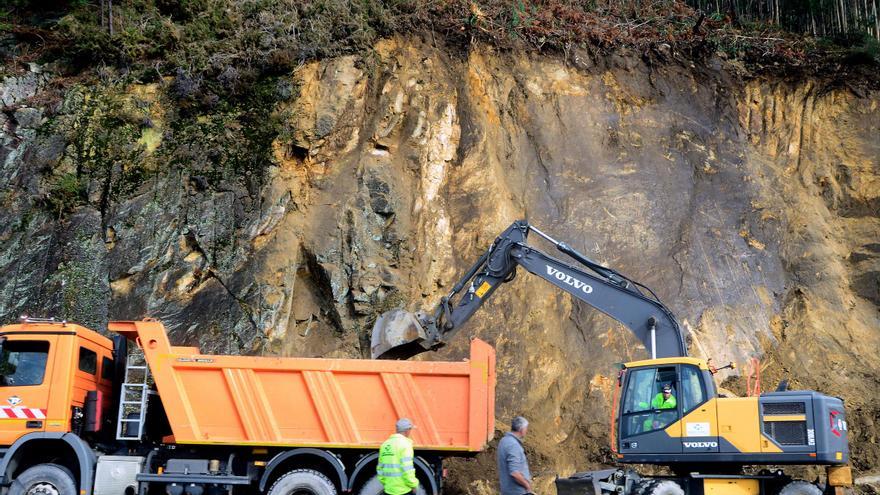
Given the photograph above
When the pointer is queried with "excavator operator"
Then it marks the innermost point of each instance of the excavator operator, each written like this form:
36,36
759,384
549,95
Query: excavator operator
665,399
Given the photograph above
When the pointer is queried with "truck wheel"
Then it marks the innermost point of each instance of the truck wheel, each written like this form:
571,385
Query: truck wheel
374,487
800,487
303,482
44,479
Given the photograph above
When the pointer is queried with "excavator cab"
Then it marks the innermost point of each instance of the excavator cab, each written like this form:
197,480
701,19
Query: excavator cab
692,424
655,395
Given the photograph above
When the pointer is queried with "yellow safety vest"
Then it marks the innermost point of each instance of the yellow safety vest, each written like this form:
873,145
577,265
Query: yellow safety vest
660,403
395,469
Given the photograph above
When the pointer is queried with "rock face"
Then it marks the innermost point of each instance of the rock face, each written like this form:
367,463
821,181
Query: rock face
751,208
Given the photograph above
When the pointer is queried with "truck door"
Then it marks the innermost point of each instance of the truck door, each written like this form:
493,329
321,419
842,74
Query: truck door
648,425
85,377
25,381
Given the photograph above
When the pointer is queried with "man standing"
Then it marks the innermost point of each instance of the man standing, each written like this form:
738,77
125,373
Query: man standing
513,468
395,469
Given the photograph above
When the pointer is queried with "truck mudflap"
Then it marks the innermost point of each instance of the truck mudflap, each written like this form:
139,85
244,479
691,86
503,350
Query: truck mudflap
589,482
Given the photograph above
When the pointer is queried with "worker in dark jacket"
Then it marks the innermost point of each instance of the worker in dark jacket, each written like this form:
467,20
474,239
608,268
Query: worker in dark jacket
513,467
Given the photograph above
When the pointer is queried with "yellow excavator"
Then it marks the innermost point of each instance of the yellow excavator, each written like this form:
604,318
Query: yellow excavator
669,411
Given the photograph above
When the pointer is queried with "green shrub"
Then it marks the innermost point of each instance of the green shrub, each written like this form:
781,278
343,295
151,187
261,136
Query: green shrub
66,193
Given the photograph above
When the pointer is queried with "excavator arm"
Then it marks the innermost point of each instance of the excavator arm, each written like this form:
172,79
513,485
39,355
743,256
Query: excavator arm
399,335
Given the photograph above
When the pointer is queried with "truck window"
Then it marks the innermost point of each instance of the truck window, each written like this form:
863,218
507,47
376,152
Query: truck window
23,363
88,360
107,369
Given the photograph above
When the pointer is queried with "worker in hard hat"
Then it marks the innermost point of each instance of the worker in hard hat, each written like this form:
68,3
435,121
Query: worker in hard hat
396,470
663,400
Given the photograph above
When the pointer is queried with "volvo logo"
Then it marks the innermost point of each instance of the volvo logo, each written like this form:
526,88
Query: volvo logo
569,280
700,445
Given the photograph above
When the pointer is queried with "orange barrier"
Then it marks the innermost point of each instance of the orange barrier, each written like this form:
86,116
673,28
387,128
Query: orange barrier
753,377
340,403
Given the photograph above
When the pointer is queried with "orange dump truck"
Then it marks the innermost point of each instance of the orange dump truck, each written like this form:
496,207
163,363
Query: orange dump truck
84,416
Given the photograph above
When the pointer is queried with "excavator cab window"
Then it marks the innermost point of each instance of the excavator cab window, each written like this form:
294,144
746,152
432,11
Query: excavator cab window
693,392
645,407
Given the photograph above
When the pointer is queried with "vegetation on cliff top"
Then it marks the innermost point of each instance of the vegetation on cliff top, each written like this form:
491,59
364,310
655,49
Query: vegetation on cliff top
229,39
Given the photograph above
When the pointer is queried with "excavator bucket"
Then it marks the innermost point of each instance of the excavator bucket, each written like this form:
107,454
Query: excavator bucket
398,334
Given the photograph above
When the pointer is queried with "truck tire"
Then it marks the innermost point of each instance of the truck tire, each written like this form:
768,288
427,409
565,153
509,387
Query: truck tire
44,479
303,482
648,486
800,487
374,487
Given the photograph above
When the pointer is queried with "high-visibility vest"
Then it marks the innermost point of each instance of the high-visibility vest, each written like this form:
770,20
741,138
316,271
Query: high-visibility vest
395,469
660,402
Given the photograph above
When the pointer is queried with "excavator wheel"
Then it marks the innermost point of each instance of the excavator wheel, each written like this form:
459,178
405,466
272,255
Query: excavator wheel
800,487
648,486
303,482
374,487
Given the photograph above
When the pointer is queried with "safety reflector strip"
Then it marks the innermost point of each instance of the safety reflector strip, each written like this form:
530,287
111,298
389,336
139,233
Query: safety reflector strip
22,413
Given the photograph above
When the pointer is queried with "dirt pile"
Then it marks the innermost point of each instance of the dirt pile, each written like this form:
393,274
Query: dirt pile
751,208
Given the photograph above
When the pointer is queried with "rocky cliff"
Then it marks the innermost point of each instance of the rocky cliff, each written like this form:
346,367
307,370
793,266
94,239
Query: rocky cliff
283,223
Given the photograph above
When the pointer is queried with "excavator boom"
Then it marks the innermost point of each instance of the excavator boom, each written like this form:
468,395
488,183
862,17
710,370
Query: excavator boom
398,334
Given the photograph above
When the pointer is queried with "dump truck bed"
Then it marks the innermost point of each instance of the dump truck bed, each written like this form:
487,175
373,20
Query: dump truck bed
327,403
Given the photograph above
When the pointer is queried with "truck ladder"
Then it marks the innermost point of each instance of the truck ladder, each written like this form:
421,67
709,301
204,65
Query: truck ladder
133,399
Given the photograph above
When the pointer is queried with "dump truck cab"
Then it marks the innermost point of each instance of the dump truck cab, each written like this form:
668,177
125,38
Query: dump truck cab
54,378
47,369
